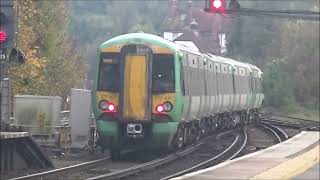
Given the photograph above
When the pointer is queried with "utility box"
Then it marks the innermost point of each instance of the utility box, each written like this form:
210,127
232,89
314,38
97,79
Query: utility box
80,117
40,115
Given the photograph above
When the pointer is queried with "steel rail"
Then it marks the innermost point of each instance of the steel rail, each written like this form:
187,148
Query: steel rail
276,131
307,125
272,120
231,152
285,123
46,174
273,132
289,117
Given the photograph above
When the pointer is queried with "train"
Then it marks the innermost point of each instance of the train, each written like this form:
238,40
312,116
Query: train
150,92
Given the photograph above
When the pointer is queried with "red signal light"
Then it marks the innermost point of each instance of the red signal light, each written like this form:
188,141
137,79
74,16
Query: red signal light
217,6
3,36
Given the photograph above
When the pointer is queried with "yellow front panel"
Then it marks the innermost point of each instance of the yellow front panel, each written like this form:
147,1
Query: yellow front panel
135,91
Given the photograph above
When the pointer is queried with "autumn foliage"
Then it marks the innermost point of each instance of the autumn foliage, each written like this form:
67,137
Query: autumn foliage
52,65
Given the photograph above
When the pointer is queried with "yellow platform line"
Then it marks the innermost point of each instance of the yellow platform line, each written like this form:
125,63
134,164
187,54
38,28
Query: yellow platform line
292,167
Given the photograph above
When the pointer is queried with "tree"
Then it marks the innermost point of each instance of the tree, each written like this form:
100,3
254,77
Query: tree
300,44
53,65
95,22
286,50
28,78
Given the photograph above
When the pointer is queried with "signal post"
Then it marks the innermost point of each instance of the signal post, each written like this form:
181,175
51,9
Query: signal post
8,53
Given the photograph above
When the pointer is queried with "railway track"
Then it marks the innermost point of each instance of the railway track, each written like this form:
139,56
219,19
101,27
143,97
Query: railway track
64,173
236,147
292,122
231,152
277,132
149,165
58,172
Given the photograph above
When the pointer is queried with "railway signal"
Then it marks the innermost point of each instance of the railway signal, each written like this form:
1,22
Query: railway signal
7,24
217,6
8,51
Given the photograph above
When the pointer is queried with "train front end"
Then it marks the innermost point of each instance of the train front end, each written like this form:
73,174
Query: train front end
135,98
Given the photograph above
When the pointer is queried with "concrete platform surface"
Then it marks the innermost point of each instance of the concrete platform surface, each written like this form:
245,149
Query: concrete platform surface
10,135
297,157
310,174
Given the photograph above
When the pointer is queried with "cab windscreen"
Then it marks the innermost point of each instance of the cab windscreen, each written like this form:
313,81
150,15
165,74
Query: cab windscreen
163,77
109,72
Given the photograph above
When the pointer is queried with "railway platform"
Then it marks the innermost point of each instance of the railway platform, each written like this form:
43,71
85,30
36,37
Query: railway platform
296,158
19,151
11,135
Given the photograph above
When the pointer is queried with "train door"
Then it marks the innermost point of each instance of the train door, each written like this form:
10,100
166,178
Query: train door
210,92
234,88
231,88
186,80
201,87
253,83
214,93
219,88
250,90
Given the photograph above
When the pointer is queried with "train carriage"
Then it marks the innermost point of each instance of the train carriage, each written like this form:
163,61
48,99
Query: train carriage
151,92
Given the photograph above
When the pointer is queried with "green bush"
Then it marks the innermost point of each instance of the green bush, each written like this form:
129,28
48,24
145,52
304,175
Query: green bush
277,87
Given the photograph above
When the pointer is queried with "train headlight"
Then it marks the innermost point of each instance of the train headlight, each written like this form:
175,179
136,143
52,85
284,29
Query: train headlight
167,106
111,107
159,108
103,105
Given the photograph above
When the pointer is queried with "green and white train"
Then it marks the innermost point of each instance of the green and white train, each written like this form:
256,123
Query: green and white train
153,93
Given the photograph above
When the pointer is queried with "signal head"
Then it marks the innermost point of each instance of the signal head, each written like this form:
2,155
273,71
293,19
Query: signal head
217,6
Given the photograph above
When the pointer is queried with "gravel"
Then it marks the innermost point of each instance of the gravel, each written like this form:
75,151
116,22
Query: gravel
257,139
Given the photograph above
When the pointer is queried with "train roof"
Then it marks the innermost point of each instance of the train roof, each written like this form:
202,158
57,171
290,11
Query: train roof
233,62
228,61
256,68
238,63
217,58
139,38
188,46
145,38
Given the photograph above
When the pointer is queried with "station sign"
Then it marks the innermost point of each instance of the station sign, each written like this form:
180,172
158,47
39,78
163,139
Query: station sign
3,55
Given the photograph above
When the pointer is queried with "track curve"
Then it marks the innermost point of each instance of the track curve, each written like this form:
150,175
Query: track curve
277,132
231,152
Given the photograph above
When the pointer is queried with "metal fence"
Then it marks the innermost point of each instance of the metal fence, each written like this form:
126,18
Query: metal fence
65,118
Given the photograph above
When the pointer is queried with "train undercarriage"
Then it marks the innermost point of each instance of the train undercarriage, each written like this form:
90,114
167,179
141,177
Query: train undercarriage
145,136
191,131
